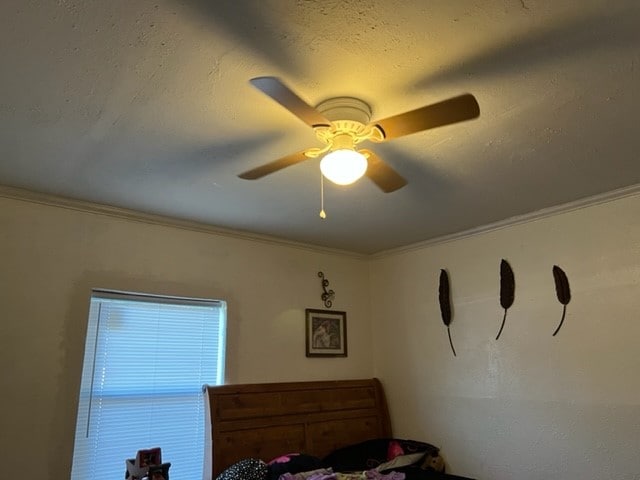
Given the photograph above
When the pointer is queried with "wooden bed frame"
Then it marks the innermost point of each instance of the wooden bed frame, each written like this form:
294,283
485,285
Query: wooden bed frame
271,419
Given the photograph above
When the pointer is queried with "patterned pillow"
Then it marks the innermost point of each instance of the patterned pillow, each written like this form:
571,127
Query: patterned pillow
247,469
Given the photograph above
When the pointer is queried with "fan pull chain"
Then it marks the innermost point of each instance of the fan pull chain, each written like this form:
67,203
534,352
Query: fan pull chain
323,215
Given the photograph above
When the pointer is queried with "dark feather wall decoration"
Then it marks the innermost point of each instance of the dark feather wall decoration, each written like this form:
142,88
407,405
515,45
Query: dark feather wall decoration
507,290
562,291
444,296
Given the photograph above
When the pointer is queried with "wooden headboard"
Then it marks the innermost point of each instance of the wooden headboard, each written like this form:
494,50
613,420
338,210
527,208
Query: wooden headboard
271,419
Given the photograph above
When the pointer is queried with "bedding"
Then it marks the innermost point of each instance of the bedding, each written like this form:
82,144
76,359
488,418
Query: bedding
292,463
246,469
375,459
380,453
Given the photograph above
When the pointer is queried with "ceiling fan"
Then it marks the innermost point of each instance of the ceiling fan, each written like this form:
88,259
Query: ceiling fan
342,123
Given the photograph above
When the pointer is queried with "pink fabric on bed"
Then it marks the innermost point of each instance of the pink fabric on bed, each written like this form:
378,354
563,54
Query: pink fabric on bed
282,458
394,450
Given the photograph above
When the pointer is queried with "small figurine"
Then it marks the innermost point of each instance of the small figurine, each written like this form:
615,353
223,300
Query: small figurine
147,465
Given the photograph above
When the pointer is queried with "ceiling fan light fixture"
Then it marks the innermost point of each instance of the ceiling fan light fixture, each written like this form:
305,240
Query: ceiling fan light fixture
341,123
343,166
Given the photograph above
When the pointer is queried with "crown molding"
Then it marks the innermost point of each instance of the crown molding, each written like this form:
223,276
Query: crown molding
152,219
611,196
32,196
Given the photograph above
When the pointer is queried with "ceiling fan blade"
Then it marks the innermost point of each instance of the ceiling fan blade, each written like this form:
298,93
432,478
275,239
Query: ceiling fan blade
453,110
282,94
274,166
380,173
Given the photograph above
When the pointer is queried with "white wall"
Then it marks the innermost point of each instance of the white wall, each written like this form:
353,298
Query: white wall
528,406
51,257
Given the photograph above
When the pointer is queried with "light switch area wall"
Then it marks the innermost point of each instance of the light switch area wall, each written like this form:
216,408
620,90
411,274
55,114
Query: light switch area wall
52,257
530,405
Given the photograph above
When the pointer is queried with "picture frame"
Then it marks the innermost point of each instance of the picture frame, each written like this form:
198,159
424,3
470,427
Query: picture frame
326,333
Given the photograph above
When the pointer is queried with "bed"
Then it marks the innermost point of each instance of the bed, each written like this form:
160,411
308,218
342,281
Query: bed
265,421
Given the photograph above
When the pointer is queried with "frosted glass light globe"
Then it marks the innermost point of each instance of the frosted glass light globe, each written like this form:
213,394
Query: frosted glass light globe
343,166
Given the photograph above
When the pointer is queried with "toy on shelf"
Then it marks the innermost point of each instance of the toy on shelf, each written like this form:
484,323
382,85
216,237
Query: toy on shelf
147,465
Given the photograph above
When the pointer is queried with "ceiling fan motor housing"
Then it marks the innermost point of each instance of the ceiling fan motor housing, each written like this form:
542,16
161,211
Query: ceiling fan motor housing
350,125
345,108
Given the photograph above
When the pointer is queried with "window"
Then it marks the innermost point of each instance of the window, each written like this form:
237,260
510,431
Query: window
146,359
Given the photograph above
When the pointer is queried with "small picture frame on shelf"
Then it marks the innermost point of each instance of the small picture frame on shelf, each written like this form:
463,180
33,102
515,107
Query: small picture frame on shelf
326,333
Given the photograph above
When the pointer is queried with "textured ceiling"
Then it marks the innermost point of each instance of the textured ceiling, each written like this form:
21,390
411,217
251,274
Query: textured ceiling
146,105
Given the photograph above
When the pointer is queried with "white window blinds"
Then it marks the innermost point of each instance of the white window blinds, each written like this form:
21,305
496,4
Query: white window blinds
146,360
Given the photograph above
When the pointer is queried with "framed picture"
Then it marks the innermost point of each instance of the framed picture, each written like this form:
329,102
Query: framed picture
326,332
